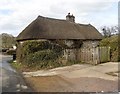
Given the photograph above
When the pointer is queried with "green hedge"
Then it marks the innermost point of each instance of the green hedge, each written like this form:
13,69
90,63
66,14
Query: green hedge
42,54
34,46
113,43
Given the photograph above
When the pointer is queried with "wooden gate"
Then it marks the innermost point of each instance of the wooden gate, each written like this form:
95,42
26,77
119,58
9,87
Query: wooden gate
94,55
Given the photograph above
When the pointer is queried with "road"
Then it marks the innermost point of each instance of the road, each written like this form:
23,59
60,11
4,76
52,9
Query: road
10,79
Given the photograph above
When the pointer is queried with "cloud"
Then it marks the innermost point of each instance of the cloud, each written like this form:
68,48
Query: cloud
15,15
78,7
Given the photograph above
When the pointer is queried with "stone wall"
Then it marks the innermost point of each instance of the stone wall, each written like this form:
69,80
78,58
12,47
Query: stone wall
90,44
73,53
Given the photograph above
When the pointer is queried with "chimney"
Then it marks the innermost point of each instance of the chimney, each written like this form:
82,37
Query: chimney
70,18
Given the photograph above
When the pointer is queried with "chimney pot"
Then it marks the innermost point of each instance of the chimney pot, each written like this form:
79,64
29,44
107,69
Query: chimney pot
70,18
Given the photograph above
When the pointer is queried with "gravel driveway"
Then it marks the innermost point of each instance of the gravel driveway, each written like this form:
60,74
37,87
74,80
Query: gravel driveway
75,78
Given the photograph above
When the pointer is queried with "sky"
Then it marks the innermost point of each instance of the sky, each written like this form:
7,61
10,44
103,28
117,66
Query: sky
15,15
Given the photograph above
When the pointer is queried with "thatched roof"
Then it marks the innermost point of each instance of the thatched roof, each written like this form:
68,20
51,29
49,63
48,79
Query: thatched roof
49,28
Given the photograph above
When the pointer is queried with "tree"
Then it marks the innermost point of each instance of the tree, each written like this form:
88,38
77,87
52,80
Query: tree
8,41
109,31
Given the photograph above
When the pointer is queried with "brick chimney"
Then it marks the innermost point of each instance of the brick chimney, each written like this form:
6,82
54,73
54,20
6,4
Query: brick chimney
70,18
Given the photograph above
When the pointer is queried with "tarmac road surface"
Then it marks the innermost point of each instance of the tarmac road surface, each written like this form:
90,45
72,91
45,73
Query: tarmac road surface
10,80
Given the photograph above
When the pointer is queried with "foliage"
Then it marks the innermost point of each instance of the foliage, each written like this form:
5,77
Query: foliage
40,53
113,43
15,64
7,40
34,46
44,55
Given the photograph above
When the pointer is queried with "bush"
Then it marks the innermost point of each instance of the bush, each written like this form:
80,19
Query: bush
34,46
113,43
42,59
42,54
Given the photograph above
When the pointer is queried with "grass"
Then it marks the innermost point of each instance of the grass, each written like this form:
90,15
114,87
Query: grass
19,66
15,64
25,68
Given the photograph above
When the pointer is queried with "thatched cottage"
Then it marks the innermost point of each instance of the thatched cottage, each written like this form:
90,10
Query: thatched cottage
74,35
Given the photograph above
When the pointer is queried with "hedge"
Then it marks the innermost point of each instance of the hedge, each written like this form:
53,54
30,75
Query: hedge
40,53
113,43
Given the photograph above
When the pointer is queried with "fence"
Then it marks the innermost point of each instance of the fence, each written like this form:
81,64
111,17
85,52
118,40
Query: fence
94,55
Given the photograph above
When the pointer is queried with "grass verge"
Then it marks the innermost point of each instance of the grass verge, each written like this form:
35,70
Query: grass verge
19,66
25,68
15,64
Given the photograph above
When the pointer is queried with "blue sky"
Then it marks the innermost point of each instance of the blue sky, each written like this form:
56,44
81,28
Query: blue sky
15,15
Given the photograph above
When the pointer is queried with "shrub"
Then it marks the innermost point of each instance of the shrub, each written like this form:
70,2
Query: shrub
113,43
42,54
34,46
42,59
